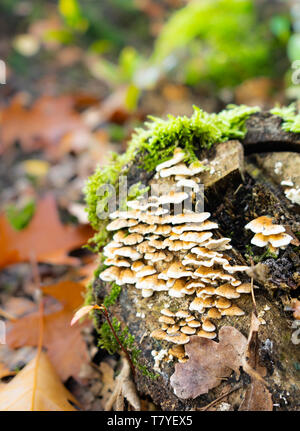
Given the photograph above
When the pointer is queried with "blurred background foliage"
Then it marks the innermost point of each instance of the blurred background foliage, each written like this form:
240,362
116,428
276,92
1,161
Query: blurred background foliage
208,45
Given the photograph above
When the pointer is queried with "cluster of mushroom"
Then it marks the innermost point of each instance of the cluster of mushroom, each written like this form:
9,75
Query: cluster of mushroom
156,250
177,327
268,234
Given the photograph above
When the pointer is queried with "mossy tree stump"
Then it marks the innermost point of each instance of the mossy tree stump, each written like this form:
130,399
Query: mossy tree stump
242,186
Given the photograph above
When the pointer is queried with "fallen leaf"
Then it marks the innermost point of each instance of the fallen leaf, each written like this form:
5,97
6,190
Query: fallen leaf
45,238
65,345
257,398
125,388
40,126
43,393
208,363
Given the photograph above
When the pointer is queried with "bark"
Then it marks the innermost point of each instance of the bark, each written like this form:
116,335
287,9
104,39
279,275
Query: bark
242,189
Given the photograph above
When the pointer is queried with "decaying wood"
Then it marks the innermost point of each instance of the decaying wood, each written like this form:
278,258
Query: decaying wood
237,190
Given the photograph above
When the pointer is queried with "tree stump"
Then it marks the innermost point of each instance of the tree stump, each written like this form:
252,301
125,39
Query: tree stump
244,184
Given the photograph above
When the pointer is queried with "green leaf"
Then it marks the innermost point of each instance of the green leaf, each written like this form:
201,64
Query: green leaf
20,218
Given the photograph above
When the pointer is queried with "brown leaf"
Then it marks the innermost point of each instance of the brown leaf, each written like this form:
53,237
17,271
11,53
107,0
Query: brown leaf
40,126
43,393
45,238
257,398
64,343
208,363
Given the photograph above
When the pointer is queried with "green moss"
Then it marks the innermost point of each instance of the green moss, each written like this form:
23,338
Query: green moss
157,142
108,341
111,299
290,116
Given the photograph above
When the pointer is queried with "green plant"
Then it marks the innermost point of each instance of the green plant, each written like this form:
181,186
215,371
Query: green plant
220,41
290,116
19,218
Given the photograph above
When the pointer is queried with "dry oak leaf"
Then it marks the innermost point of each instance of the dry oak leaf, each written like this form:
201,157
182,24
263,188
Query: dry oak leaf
208,363
257,398
45,238
36,388
42,125
64,343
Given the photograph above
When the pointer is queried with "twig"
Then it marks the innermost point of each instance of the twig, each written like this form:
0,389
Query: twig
103,309
37,280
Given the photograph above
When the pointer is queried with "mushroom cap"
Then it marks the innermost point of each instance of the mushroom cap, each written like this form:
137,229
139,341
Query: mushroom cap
194,323
280,239
182,314
146,270
132,239
173,198
184,182
259,240
222,303
128,252
126,276
120,224
173,329
146,293
205,334
116,261
234,310
218,244
177,351
151,282
166,319
264,225
158,334
187,330
227,291
167,312
244,288
214,313
110,274
178,338
196,237
178,156
189,217
137,265
197,227
207,325
177,270
235,268
142,228
163,230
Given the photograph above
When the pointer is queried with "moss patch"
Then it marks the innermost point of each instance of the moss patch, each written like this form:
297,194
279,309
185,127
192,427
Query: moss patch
290,116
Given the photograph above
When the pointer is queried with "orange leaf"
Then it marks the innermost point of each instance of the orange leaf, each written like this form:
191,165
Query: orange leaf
64,343
83,311
46,238
40,126
45,393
